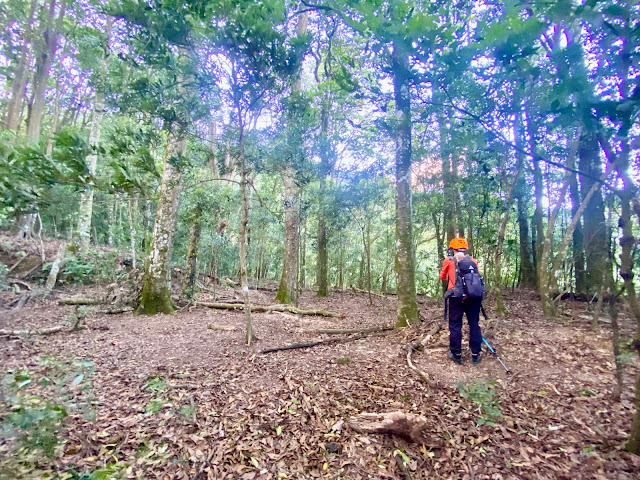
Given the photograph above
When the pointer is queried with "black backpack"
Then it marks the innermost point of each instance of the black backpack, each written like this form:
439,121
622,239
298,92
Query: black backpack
469,283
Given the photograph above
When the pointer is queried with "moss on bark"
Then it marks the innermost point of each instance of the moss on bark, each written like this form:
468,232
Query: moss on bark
154,300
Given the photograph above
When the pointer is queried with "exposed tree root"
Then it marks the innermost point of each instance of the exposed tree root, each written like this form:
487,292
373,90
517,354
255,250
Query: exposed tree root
272,308
407,425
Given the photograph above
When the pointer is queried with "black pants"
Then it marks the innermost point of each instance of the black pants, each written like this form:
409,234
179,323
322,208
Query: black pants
457,308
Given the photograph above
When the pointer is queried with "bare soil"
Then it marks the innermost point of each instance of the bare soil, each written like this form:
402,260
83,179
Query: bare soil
229,411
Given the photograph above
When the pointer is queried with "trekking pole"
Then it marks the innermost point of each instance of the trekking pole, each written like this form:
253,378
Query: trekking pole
446,309
495,354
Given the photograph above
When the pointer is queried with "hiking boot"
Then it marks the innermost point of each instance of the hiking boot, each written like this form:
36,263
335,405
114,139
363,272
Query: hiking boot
476,357
456,358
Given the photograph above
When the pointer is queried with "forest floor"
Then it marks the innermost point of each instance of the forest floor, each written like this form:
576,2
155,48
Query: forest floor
166,397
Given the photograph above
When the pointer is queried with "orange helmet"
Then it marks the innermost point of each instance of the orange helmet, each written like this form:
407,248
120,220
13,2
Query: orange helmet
459,244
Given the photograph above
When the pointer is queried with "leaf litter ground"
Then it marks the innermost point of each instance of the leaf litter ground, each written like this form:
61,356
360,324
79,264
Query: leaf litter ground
176,400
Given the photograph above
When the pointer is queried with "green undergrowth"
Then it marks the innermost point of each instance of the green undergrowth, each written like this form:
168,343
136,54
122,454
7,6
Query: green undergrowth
35,406
483,394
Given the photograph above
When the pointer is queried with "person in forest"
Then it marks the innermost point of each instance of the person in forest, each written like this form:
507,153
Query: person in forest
464,294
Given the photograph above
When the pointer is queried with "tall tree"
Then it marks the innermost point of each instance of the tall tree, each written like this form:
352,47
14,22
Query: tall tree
45,54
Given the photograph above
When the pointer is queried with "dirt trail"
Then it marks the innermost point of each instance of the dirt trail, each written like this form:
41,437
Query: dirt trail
226,411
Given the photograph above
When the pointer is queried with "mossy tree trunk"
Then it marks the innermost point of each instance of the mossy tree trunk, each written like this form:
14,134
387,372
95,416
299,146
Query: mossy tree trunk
407,306
156,290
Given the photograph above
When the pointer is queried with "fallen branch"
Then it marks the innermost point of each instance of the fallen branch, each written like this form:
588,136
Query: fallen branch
418,346
115,311
271,308
335,331
80,301
20,283
215,326
407,425
366,292
315,343
45,331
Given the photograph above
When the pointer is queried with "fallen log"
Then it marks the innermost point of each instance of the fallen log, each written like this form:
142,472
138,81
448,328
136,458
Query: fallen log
315,343
271,308
407,425
80,301
336,331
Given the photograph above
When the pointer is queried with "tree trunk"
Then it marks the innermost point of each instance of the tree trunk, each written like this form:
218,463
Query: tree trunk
189,278
44,60
322,279
156,289
303,256
501,309
594,231
14,108
250,336
85,210
133,208
213,157
407,306
538,191
288,288
577,244
287,291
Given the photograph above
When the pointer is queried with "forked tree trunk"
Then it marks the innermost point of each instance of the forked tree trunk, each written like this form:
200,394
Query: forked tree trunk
156,290
407,306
